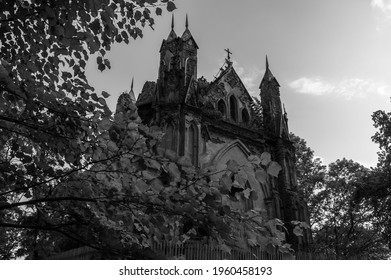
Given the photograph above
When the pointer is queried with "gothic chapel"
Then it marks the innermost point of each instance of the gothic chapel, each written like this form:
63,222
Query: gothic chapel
212,122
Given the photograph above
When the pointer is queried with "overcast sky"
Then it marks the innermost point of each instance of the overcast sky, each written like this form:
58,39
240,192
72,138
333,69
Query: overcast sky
332,59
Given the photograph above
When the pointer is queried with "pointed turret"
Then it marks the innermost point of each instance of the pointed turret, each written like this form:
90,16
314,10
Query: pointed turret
178,65
131,93
126,100
271,102
172,34
268,76
187,34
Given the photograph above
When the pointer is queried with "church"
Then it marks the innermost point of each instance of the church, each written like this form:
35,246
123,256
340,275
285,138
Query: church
210,122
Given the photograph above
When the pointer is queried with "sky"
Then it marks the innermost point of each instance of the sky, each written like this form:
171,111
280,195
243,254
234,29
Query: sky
332,59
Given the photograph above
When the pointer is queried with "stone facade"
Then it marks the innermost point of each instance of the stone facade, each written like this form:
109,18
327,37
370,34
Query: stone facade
212,122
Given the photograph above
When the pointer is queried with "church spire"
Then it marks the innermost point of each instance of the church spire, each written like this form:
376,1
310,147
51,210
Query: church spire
131,93
273,114
124,100
267,63
187,34
172,34
268,76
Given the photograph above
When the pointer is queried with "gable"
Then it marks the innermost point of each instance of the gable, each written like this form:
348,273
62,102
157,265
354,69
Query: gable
229,83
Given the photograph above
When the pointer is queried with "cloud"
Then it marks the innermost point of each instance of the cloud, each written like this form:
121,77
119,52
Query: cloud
315,86
251,77
382,5
347,88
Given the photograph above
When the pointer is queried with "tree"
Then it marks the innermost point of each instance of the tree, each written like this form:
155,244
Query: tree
131,197
50,117
310,175
345,219
348,226
379,190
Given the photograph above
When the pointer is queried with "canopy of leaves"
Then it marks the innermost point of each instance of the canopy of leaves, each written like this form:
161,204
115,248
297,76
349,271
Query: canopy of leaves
310,174
129,197
345,218
379,183
50,118
346,223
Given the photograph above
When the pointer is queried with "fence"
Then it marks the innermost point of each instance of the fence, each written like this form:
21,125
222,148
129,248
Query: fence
210,251
200,251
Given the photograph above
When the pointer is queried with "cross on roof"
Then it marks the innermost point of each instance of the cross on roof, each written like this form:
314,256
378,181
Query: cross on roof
228,54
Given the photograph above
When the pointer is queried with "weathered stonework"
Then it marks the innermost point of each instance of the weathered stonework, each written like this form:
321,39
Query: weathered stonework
213,122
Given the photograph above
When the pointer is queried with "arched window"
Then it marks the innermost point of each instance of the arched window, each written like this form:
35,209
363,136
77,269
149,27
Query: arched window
233,106
193,144
169,139
187,68
248,202
245,116
190,69
222,108
168,59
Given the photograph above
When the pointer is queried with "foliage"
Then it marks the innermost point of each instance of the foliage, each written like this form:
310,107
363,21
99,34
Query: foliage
347,226
379,190
345,218
50,117
130,197
310,174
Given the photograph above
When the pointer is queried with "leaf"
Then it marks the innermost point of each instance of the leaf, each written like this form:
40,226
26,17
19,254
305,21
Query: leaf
85,95
3,72
105,94
112,146
265,158
246,193
254,195
173,170
254,159
225,248
141,187
137,15
101,67
226,182
157,185
105,124
252,240
261,176
170,6
184,161
102,101
110,11
107,63
99,60
274,168
149,175
263,241
232,165
158,11
151,163
298,231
